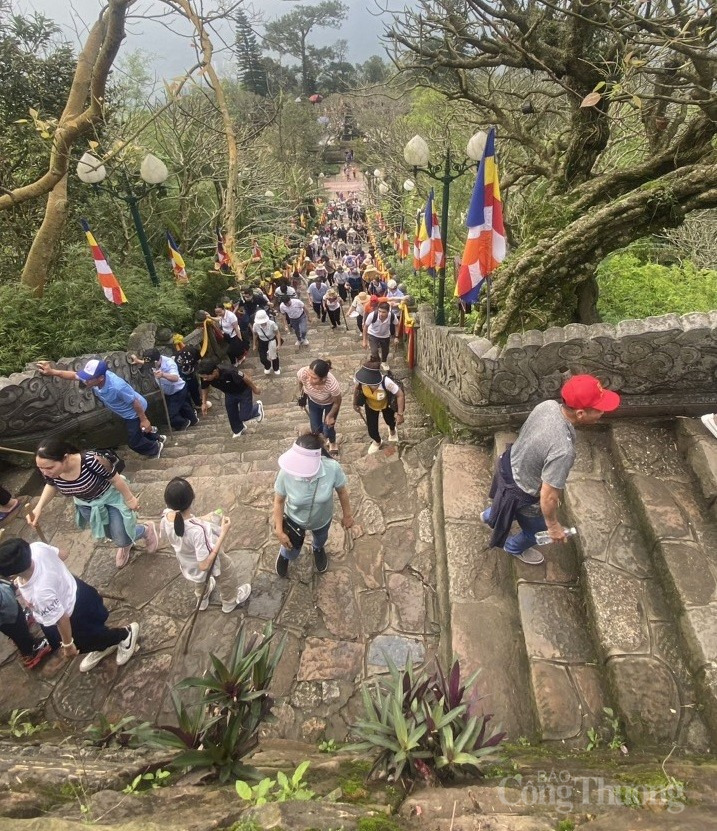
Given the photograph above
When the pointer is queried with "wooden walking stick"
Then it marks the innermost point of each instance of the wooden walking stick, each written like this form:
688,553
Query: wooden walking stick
29,517
344,316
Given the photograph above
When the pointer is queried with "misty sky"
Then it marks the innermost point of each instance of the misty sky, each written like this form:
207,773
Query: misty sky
172,53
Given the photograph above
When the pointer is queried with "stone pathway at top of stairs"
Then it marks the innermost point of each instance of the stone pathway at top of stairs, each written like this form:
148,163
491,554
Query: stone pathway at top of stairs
376,600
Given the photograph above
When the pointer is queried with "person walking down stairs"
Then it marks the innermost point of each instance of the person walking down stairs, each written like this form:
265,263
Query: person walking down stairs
304,501
237,387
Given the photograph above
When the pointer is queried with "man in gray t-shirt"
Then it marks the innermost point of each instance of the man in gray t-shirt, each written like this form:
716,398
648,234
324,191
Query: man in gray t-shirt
529,480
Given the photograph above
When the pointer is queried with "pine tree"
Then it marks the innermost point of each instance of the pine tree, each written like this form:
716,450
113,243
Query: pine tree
252,73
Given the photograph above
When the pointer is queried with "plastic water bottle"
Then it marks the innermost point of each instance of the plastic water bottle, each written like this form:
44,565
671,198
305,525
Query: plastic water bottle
544,538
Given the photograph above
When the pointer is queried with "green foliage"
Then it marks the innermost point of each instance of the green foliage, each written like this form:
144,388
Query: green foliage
424,726
329,746
220,728
565,825
377,823
631,289
148,781
281,789
104,732
20,724
73,317
610,733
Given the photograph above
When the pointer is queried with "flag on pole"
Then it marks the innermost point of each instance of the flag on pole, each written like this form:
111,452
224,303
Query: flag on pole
176,260
255,250
425,235
403,245
110,286
436,242
417,244
222,262
485,245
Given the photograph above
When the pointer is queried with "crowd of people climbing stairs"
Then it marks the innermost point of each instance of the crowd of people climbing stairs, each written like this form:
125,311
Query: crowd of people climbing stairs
336,276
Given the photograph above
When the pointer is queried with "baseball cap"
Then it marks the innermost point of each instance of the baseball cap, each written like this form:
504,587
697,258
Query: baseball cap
585,392
92,369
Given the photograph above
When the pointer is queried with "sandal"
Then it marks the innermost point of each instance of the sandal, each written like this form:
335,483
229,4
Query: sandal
5,514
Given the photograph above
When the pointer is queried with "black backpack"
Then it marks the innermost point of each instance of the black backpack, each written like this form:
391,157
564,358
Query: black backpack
391,328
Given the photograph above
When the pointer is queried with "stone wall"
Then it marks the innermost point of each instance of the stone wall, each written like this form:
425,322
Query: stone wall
660,365
33,406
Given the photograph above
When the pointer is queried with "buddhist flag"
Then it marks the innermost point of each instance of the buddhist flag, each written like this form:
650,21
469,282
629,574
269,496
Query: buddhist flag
403,245
222,262
436,242
176,260
110,286
417,245
255,251
430,250
485,245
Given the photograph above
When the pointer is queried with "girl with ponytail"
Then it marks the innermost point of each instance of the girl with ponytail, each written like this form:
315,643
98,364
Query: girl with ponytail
197,544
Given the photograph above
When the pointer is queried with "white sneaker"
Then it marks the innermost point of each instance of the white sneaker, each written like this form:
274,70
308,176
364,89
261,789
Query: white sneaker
277,372
205,601
240,433
129,645
91,660
373,448
393,435
710,423
260,417
267,372
298,343
304,342
242,596
209,405
531,556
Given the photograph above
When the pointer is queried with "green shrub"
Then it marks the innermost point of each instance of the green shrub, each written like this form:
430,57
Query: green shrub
630,288
73,317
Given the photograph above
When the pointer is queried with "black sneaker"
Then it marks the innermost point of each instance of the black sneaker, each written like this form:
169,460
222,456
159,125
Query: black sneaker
282,566
321,561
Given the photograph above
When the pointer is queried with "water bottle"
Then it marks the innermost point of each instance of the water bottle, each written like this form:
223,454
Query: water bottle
544,538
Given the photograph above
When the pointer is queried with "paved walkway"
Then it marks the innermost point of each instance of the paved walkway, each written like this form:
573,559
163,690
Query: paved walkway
374,600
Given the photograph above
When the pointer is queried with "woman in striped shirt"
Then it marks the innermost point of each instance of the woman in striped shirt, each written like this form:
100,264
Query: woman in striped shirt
324,399
103,499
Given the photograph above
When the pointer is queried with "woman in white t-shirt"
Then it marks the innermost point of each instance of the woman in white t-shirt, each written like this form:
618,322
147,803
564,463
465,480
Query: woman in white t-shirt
197,544
70,611
229,323
294,311
332,304
267,340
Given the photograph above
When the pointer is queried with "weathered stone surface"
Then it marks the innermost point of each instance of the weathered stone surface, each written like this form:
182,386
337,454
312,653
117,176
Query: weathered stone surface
307,695
464,492
155,570
702,456
399,649
324,660
158,631
399,543
699,629
553,623
588,682
628,551
374,608
299,610
80,696
408,597
475,571
285,673
20,688
556,701
267,595
617,609
368,555
382,475
599,515
425,526
139,688
336,601
657,501
690,573
370,517
648,450
647,697
303,816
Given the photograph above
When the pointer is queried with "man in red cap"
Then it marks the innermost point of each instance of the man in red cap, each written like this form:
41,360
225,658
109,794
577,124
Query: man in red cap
531,474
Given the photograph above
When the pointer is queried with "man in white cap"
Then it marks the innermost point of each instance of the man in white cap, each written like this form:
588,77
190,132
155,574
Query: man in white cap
267,340
317,289
117,395
394,295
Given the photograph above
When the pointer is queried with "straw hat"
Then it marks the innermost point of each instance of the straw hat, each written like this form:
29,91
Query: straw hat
362,297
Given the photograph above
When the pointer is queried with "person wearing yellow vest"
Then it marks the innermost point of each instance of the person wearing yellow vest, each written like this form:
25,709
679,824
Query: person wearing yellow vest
375,393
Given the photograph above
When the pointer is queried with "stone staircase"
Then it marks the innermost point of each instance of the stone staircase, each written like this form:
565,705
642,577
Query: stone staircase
376,599
622,617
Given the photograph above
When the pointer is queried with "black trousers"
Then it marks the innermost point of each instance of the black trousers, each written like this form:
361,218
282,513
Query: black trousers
18,633
265,362
372,421
334,317
343,294
320,311
359,323
5,496
88,623
382,345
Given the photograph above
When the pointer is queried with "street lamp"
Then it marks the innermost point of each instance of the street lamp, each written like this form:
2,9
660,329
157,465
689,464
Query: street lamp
409,185
417,154
153,173
383,188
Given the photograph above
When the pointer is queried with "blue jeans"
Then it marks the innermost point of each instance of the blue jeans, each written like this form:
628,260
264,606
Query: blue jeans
115,531
240,408
317,414
530,521
145,444
299,325
319,537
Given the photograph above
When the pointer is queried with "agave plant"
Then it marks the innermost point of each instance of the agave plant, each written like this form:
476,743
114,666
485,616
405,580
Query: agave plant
424,726
221,728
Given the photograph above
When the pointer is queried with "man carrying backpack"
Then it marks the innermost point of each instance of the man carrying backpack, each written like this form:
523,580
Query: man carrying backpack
377,393
378,329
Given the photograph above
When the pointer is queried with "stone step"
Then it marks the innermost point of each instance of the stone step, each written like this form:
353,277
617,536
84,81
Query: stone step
681,536
699,446
480,616
568,689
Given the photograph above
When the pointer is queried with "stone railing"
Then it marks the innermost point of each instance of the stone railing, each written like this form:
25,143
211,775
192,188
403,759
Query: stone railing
661,366
34,406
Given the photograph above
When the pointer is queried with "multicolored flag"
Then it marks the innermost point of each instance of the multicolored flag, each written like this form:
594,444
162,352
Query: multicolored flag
485,245
430,250
222,262
176,260
403,246
255,251
417,245
110,286
436,242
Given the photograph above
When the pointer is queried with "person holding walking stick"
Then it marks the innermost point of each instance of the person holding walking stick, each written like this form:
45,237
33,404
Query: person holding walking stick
197,543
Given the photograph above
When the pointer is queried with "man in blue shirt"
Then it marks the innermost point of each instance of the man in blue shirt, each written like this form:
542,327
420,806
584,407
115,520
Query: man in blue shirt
317,291
117,395
179,407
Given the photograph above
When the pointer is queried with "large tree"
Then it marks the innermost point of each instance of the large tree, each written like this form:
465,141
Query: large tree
289,34
252,71
606,114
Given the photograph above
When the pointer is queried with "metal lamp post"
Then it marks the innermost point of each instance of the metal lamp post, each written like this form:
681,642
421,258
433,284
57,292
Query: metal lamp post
417,154
153,173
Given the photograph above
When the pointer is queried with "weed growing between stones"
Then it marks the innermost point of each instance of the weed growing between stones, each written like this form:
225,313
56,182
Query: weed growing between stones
424,726
610,734
281,789
222,727
20,725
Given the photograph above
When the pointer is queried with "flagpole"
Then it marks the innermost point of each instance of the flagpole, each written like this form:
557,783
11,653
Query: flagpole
487,307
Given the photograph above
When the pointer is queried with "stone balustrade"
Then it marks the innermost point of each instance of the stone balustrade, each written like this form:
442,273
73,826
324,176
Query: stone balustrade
661,366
